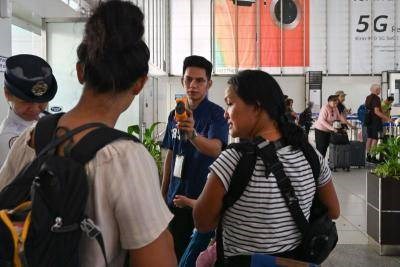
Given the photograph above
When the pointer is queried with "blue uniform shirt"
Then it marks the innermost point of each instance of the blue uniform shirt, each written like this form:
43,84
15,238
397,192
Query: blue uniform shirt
209,122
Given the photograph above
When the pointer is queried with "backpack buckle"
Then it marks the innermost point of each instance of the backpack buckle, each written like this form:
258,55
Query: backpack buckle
90,228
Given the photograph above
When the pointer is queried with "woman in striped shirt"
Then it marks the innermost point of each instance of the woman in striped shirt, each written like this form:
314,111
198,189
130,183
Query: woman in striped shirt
260,221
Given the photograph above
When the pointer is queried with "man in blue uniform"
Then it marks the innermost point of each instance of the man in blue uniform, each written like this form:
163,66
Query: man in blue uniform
29,85
192,145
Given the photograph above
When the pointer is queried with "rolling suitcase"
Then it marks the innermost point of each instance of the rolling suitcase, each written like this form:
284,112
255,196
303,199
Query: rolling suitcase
357,154
357,149
339,157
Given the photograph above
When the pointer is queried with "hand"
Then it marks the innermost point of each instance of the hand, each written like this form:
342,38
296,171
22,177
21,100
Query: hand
188,124
335,130
183,201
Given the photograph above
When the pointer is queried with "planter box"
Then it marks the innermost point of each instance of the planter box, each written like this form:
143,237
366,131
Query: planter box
383,214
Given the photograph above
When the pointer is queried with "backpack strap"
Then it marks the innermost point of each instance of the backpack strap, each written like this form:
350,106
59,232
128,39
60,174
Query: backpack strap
242,173
312,157
95,140
240,178
44,130
268,155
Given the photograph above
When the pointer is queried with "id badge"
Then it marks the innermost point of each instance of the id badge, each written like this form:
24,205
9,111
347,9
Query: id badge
179,159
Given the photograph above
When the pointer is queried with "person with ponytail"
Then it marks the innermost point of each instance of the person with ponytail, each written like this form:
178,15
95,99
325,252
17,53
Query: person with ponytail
260,221
124,198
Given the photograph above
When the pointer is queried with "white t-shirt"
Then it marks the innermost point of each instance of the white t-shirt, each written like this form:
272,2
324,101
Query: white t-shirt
124,197
260,221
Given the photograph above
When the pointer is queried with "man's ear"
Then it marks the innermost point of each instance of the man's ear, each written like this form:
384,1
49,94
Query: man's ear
8,95
80,72
139,84
182,82
210,82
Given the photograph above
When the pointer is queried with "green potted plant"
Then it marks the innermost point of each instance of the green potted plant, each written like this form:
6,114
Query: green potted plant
383,201
149,140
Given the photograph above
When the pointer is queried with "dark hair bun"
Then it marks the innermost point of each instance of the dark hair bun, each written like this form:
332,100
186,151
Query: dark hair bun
112,51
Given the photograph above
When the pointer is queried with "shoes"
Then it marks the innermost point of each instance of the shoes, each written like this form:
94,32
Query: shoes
372,160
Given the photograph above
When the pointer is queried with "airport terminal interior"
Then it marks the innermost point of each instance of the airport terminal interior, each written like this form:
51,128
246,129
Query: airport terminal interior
313,48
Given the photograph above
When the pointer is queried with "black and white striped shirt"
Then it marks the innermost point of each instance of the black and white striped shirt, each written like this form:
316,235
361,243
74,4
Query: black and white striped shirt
259,221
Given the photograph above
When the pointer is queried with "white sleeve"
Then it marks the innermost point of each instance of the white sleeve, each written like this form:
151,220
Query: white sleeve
225,165
20,155
325,172
134,192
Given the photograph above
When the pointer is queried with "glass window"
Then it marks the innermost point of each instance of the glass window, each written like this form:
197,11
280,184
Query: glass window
25,42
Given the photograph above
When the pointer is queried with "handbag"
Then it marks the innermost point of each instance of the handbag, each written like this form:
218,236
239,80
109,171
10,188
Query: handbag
339,138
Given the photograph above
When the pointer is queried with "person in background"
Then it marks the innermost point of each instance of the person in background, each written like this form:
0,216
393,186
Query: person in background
255,107
341,107
290,114
387,105
361,113
187,160
305,118
324,124
29,85
374,120
124,197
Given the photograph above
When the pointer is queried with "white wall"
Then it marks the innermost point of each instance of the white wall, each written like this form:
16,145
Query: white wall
5,51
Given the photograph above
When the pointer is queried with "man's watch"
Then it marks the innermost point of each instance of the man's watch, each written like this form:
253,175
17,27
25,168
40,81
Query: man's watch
194,135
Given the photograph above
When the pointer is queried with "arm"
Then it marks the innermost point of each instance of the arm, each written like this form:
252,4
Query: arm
210,147
162,247
345,121
166,174
328,197
378,113
183,201
208,207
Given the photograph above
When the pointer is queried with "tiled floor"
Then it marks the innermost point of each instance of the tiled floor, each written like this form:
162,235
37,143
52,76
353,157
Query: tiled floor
353,249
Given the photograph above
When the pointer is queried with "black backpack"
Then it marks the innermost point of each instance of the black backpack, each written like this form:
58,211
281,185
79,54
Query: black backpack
53,191
319,233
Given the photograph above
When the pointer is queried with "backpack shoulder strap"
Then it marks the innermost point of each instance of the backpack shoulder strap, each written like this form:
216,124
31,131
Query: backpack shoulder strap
242,173
44,130
271,161
95,140
239,180
312,157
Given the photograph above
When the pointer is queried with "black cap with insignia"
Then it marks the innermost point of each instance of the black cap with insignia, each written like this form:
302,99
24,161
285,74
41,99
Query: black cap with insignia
30,78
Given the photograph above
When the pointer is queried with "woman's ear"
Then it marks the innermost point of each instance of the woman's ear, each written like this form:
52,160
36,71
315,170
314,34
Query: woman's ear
80,72
139,84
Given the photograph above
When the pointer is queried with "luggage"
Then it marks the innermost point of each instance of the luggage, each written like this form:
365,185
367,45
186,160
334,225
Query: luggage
339,138
357,154
339,157
357,149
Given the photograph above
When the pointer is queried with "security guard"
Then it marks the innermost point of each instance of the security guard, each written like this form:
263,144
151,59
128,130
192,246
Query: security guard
29,85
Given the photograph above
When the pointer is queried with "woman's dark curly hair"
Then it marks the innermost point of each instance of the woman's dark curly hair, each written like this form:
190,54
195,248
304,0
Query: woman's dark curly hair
112,52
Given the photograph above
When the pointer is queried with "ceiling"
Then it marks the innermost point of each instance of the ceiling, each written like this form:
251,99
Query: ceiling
33,11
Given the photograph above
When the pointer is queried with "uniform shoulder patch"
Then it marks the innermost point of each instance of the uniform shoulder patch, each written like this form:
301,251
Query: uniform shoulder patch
12,140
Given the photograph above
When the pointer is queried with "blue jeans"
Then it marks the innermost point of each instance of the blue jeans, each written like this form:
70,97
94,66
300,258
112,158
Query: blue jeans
197,244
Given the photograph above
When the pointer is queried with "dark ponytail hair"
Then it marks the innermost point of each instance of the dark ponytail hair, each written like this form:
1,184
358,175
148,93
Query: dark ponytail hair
260,89
112,52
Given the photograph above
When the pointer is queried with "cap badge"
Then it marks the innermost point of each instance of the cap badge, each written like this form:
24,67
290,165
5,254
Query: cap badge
39,89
